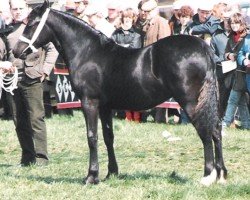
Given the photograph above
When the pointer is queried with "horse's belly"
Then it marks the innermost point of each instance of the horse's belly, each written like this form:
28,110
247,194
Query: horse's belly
136,102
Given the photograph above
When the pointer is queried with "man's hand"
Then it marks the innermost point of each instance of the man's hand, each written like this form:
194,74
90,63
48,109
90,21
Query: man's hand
43,77
7,67
246,62
231,56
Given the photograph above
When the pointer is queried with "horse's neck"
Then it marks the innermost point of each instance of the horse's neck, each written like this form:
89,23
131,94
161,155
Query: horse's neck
72,38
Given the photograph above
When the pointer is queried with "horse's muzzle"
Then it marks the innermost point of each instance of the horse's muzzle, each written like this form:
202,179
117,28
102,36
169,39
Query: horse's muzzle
21,55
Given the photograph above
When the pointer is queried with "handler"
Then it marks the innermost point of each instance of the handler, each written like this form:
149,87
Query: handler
28,98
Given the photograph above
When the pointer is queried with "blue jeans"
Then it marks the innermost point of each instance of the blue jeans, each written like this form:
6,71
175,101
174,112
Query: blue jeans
248,82
237,99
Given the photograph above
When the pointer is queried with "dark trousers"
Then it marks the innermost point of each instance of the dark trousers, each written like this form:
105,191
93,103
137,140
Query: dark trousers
28,114
7,105
160,115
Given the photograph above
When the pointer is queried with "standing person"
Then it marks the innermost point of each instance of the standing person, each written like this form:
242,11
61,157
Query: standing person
2,23
218,44
219,10
80,7
113,13
156,28
69,6
244,59
139,25
2,48
98,21
5,29
141,21
185,15
126,36
204,23
5,12
2,57
174,22
237,95
28,98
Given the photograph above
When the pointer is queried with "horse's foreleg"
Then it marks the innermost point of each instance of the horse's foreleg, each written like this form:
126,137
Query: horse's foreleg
107,127
219,162
90,110
206,119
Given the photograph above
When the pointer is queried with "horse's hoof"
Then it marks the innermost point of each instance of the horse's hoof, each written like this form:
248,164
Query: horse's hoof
210,179
91,180
222,179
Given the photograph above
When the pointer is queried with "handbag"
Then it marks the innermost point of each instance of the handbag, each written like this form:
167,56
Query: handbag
240,83
229,79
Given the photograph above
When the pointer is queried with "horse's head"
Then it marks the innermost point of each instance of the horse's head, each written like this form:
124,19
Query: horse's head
35,34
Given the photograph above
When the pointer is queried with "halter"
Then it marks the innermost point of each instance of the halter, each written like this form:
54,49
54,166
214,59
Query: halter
36,34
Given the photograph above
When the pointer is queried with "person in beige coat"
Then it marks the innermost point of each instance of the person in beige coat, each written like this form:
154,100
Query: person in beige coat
28,97
156,28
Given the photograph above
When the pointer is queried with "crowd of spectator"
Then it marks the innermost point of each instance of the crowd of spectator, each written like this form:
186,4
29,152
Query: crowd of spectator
223,26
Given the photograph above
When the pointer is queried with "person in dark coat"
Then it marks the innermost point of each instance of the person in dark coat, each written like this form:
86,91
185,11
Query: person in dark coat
237,96
126,36
218,44
174,21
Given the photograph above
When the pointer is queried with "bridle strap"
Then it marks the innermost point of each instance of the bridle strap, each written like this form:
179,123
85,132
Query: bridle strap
36,34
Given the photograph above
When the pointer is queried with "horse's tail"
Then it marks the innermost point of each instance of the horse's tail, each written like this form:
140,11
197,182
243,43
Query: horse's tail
208,105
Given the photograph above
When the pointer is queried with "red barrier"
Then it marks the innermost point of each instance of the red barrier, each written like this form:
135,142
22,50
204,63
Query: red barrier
77,104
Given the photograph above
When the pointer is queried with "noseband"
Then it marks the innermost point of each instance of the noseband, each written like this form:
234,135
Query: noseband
40,26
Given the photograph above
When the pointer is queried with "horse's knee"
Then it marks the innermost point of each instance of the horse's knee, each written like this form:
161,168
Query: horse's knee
92,141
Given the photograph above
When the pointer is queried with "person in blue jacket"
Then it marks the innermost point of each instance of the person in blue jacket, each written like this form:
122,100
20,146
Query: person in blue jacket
204,24
243,59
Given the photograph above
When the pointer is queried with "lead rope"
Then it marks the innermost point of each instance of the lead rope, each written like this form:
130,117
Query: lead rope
8,83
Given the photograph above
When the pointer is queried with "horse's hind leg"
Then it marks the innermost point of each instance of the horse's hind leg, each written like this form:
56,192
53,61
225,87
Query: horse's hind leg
107,127
205,118
213,171
219,162
210,173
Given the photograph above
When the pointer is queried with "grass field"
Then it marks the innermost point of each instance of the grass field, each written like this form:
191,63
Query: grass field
150,166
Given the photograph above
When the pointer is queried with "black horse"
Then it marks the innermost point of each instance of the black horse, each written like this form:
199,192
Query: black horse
106,76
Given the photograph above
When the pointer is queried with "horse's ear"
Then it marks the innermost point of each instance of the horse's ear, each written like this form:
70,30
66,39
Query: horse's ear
45,5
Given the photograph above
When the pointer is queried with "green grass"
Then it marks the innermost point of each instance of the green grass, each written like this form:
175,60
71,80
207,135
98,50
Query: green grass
150,166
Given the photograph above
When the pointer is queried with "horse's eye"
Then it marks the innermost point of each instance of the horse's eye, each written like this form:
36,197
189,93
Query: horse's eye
32,23
29,24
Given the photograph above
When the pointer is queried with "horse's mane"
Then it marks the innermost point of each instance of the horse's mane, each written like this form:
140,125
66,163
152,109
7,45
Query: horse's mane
81,23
